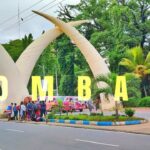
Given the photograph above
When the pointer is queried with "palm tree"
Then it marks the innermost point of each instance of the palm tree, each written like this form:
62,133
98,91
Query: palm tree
136,63
110,80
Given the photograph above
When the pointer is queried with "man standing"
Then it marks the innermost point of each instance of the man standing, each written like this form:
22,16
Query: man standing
30,109
43,109
10,111
15,111
22,111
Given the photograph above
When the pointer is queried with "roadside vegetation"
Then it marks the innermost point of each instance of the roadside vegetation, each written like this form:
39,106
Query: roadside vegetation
97,117
137,102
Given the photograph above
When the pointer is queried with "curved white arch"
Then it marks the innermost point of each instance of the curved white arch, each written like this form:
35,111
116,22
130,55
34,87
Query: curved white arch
16,85
96,62
18,73
31,54
29,57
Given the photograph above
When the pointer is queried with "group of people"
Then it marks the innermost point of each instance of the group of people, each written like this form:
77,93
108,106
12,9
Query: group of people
35,111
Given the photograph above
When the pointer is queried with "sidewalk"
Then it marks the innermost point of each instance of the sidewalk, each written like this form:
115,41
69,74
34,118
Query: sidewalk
138,129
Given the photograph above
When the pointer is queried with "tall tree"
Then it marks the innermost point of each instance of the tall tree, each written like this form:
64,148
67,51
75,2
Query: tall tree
116,25
14,48
27,40
136,63
66,60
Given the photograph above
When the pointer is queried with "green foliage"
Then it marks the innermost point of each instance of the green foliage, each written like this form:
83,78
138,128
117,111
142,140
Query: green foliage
27,40
145,102
116,25
93,118
57,109
60,106
66,86
133,85
14,48
129,112
66,62
110,80
132,102
137,102
51,115
135,62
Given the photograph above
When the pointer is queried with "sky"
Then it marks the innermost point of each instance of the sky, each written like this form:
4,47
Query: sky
29,22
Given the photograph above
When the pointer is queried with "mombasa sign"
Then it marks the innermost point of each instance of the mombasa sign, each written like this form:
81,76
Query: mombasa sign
84,90
17,73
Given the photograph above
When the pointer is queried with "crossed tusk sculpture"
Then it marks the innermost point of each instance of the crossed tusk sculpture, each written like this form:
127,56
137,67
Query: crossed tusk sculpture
18,74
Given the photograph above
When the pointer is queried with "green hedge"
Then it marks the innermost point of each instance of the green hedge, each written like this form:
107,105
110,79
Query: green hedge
145,102
93,118
137,102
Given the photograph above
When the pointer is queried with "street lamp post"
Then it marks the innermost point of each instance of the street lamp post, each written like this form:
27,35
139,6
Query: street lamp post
57,94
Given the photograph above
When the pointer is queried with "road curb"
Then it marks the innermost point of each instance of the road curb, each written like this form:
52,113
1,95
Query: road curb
98,123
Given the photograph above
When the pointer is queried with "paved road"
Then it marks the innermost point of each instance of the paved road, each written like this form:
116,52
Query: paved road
19,136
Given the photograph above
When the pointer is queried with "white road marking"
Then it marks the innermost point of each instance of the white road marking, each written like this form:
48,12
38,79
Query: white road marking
92,142
13,130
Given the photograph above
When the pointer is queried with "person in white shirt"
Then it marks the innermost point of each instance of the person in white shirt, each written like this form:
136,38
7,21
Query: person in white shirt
22,111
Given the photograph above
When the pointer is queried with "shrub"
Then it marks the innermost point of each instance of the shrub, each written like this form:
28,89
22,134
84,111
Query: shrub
137,102
51,116
129,112
145,102
96,114
132,102
95,118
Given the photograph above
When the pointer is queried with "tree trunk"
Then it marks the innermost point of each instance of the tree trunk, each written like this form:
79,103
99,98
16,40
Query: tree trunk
100,105
116,110
145,92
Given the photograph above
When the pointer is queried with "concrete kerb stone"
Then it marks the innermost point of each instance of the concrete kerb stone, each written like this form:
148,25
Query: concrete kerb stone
90,123
98,123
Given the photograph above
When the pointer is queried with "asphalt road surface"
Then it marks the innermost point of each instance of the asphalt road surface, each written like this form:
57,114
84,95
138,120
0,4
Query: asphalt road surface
21,136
